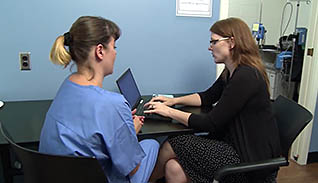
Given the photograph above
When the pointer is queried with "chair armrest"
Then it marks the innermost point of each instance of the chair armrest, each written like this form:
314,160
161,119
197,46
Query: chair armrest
247,167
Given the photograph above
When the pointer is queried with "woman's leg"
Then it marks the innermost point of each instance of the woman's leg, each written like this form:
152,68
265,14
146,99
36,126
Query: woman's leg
165,154
174,172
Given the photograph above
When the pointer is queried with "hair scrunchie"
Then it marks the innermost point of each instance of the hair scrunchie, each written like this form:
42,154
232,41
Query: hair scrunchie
67,39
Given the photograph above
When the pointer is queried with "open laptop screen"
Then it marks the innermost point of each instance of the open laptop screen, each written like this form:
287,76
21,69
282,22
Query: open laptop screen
128,87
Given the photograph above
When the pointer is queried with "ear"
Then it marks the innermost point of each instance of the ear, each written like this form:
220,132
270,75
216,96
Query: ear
232,43
99,51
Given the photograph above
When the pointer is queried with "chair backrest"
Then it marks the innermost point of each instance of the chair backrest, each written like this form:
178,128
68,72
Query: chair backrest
39,167
291,119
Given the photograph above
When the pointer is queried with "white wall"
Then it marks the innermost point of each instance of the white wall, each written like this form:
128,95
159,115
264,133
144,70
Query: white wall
249,11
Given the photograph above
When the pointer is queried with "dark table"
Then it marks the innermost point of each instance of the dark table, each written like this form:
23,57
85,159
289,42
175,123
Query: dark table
24,119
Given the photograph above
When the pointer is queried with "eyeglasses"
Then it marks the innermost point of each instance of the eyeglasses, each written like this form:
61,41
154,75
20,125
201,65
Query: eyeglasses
214,41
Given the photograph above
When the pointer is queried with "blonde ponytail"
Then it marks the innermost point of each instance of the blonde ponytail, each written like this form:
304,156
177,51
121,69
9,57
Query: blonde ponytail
59,55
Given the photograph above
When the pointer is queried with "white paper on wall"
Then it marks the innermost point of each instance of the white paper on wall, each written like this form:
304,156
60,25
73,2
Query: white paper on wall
195,8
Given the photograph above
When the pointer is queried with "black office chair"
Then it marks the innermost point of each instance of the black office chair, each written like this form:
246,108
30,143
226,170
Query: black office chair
291,119
45,168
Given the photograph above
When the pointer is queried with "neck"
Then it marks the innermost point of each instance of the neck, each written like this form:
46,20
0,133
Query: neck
86,78
230,66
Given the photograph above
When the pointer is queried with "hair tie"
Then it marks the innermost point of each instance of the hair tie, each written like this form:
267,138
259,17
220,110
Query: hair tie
67,39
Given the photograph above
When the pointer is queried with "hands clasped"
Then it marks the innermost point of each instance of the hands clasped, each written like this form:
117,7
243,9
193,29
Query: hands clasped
138,120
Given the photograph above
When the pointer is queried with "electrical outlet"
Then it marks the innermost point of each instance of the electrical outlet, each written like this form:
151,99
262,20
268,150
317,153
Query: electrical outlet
25,61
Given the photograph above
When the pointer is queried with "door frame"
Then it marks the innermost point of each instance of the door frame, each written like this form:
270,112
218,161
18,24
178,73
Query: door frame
224,13
308,88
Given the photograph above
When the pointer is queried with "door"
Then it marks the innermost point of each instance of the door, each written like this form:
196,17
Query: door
308,86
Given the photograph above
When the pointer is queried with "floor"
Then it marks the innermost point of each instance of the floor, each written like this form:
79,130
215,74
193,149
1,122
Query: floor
294,173
297,173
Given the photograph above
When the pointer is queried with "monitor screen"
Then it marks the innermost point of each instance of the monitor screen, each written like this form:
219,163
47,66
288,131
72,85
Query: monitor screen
128,87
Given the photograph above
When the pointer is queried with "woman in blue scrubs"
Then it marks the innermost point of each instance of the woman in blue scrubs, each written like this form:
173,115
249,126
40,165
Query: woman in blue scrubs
87,120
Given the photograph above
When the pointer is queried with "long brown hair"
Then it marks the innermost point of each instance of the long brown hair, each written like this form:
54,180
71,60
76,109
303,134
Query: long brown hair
245,51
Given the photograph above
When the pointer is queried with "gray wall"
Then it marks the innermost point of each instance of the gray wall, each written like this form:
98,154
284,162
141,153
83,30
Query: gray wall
167,54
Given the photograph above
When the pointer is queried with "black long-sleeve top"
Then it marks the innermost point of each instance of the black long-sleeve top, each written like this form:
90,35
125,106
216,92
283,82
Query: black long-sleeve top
243,111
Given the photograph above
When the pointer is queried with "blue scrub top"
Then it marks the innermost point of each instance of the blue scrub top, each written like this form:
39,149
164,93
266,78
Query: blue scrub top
90,121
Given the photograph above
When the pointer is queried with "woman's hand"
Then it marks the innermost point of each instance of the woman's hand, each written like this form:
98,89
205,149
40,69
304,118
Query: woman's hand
165,100
138,121
158,107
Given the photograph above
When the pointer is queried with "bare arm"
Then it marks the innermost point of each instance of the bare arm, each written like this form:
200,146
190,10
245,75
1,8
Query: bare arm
180,116
191,100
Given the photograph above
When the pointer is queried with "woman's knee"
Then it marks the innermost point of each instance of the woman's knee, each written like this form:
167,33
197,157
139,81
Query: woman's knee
174,172
173,167
150,145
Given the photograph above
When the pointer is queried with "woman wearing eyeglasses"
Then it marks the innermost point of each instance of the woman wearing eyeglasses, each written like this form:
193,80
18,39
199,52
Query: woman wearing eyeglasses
241,125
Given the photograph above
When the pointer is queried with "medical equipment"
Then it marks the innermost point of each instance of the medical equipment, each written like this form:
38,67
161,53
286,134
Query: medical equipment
258,29
258,32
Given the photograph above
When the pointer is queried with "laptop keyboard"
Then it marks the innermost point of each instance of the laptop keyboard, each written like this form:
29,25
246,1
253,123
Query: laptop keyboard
140,112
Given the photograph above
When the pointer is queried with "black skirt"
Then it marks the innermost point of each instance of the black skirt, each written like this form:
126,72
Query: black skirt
201,156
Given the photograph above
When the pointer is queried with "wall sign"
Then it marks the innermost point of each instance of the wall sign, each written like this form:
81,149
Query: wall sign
194,8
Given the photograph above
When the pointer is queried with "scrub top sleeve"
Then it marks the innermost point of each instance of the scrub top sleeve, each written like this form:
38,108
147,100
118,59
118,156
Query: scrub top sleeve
125,152
124,149
127,116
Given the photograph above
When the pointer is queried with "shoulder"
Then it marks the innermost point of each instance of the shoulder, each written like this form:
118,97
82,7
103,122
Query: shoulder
111,98
247,70
247,73
92,98
247,77
111,107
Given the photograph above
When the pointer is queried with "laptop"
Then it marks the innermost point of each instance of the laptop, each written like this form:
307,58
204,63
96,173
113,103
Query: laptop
128,88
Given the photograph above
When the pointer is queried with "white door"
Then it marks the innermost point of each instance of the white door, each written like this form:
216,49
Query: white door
308,86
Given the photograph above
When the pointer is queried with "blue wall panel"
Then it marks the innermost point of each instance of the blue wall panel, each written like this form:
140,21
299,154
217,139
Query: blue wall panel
167,54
